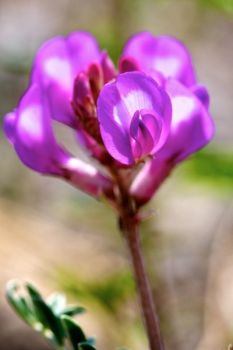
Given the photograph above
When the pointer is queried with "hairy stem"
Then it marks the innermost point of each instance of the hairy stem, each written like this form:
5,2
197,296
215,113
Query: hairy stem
130,229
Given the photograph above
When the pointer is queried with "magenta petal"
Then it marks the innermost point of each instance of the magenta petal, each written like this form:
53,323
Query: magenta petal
52,71
114,135
56,65
145,129
82,49
9,126
201,92
31,134
154,127
142,141
116,107
163,54
192,126
30,131
52,64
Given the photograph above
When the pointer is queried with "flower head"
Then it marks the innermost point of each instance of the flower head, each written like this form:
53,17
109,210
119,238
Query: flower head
49,95
151,110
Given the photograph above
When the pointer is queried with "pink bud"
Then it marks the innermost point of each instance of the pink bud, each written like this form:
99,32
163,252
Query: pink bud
82,95
108,68
84,106
96,79
128,64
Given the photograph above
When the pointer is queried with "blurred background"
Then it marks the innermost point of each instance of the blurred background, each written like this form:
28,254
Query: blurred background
61,239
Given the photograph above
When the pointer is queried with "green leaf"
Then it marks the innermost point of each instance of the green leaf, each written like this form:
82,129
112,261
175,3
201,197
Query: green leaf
91,341
85,346
57,302
89,344
73,310
45,315
75,333
19,303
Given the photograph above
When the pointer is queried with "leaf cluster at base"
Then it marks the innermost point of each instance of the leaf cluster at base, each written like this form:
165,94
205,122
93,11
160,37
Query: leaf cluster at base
51,317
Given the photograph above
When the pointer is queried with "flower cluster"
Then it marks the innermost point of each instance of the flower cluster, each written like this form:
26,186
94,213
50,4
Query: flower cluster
143,117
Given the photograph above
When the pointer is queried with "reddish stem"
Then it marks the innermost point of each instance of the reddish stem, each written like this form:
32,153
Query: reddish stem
129,226
130,229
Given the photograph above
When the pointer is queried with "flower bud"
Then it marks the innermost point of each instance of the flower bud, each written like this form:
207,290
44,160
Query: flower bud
109,71
96,79
84,106
128,64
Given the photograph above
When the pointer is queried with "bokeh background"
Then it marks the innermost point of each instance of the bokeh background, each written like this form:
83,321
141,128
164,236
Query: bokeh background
61,239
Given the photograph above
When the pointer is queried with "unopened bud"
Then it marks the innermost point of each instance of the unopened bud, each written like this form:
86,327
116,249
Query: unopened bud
109,71
84,107
127,64
96,79
82,96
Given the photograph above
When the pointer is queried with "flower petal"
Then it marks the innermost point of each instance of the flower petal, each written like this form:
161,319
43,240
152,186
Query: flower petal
56,65
29,130
114,135
145,130
52,72
82,49
9,126
164,54
192,126
116,107
31,134
201,92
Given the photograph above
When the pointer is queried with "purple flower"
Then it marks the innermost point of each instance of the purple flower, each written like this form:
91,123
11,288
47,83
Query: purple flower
152,111
191,129
169,63
134,115
57,65
29,129
48,97
159,56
